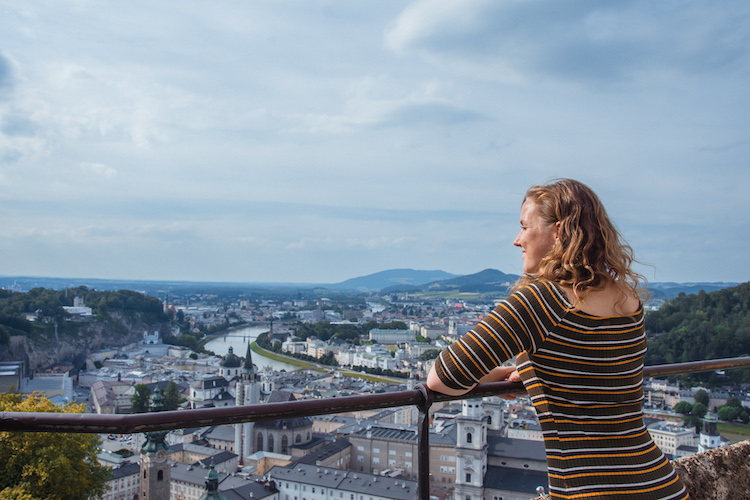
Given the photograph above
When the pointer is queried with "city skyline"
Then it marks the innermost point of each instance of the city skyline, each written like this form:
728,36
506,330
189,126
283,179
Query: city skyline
316,141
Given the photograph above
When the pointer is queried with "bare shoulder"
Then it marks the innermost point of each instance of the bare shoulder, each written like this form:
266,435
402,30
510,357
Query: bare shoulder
612,300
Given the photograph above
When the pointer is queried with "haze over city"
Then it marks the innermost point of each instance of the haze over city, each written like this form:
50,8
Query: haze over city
316,141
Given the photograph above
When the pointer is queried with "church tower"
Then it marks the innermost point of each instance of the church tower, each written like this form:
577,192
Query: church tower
212,485
709,437
471,451
247,393
156,473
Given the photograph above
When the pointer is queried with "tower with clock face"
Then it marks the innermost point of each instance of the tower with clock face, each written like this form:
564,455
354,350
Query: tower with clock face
156,473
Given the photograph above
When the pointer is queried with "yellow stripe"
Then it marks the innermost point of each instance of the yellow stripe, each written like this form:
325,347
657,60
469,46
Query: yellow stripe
591,438
636,374
597,363
618,473
572,391
616,492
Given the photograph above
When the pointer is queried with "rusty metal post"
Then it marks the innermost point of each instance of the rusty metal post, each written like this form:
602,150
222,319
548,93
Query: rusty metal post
423,442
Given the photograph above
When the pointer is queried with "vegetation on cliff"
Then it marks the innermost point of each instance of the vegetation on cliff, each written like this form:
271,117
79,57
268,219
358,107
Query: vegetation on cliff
47,307
699,327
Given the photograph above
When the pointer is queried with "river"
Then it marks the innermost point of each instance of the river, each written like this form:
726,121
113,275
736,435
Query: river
239,340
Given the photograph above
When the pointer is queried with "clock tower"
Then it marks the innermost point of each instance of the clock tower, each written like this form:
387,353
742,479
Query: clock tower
156,473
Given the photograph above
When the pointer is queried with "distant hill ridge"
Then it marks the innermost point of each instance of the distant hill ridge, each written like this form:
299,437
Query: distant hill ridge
392,277
410,280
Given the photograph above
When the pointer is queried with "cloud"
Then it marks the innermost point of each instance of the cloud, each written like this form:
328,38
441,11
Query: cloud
583,40
6,75
98,169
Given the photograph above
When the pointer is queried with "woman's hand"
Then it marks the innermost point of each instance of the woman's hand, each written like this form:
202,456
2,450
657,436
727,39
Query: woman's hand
501,374
497,374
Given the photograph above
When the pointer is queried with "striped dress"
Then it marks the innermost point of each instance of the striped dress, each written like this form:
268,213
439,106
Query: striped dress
584,375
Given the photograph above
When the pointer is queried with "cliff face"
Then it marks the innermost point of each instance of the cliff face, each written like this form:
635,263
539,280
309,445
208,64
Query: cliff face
43,351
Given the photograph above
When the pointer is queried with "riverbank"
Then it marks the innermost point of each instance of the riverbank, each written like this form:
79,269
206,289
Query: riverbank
320,368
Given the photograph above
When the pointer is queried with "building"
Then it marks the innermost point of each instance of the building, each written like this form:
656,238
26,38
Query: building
230,365
210,392
221,437
383,336
669,437
247,392
310,482
280,436
11,373
155,469
112,396
381,447
124,482
471,451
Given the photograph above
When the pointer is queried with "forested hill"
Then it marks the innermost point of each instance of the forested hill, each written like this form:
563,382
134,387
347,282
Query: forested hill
702,326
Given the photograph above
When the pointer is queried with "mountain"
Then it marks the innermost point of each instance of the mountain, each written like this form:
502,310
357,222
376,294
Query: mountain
392,277
489,280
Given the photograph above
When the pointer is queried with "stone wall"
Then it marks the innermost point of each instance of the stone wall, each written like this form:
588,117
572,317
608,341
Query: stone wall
720,474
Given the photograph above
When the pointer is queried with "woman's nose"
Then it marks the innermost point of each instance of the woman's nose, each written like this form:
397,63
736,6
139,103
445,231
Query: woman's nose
517,241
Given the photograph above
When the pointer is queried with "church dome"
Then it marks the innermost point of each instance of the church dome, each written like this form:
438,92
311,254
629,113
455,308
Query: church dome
231,360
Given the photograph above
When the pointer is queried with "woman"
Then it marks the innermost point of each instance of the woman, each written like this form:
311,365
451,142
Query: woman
575,323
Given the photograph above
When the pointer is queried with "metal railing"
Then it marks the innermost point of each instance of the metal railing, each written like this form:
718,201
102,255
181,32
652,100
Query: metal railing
421,397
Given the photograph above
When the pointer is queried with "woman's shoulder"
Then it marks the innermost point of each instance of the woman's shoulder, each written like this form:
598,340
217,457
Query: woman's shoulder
610,300
544,294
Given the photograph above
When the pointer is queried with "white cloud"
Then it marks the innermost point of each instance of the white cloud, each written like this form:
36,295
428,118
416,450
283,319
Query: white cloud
98,169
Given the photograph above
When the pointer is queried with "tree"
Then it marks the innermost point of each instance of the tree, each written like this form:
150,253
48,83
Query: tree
172,397
728,413
699,410
734,402
46,465
683,407
701,396
141,399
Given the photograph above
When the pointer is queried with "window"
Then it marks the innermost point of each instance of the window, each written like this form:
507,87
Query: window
407,465
468,437
360,448
160,475
376,450
391,452
468,477
407,454
375,461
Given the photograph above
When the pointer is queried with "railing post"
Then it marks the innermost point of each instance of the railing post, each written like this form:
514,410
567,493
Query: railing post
423,442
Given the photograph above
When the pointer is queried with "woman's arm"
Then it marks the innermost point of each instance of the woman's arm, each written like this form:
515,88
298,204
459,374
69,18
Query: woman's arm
497,374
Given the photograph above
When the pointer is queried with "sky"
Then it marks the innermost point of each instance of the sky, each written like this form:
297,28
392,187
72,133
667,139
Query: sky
313,141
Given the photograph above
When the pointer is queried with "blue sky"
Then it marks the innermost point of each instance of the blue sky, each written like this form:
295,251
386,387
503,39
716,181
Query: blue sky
316,141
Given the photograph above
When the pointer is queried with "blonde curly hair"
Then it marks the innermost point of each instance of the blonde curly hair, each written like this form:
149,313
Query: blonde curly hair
590,252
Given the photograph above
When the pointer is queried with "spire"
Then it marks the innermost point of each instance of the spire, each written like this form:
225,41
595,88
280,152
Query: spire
155,439
248,368
212,485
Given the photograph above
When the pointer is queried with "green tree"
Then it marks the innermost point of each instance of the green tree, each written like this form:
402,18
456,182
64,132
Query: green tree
699,410
172,396
734,402
683,407
701,396
46,465
728,413
141,399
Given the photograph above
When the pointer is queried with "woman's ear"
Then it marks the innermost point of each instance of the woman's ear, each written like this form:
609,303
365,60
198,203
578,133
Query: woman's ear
557,228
